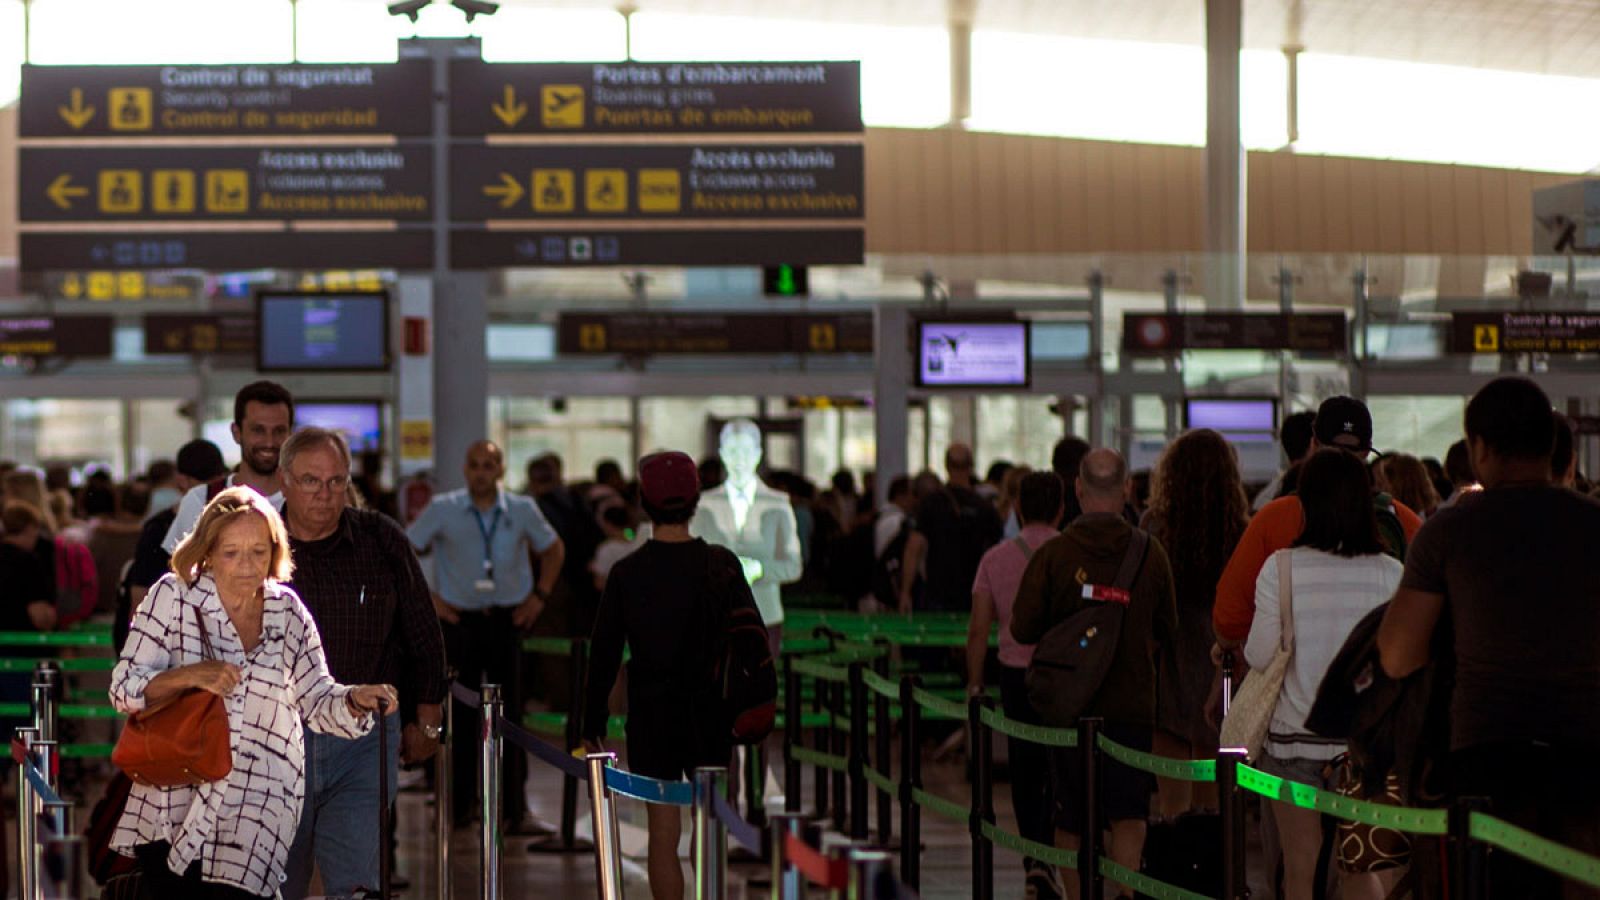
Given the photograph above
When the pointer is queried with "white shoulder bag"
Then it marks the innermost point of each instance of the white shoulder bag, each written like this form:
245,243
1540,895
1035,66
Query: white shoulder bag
1250,716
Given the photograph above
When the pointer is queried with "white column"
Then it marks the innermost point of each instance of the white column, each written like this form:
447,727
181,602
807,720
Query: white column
890,393
1225,184
962,13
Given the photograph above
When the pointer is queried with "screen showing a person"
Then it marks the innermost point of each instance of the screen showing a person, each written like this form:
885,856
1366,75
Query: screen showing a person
324,331
972,354
1238,420
360,423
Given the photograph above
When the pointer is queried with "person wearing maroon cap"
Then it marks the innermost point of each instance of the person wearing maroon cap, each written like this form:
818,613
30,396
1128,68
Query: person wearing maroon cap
667,602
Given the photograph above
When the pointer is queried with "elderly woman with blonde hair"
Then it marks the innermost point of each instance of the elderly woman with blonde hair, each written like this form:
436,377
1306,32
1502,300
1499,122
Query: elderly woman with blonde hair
223,621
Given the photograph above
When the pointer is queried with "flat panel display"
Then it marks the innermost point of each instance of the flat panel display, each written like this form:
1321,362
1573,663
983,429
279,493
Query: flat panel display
360,421
322,332
968,354
1254,418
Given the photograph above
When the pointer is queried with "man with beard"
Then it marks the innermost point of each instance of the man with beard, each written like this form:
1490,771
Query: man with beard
263,416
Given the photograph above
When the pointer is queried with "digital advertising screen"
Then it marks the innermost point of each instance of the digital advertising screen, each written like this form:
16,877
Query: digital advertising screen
1237,418
956,354
360,421
300,332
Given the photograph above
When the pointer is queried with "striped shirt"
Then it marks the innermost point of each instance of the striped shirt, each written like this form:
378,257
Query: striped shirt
1331,594
240,827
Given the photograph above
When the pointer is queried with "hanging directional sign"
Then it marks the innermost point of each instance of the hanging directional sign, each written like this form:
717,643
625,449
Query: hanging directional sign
1564,331
658,181
76,336
659,98
223,250
103,285
216,183
701,332
578,246
147,101
194,333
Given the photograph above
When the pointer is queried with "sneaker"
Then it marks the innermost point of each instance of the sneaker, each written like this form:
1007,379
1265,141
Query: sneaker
1043,883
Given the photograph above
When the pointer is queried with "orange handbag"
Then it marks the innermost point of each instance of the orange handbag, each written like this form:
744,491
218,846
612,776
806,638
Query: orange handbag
179,741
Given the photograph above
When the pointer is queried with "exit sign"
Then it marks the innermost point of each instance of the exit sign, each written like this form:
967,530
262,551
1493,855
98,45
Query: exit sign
785,281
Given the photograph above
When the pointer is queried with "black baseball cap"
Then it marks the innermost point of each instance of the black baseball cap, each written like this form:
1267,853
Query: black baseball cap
201,460
1344,422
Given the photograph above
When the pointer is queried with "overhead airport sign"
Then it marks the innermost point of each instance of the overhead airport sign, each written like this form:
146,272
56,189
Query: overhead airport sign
657,181
1525,332
579,246
104,285
217,183
228,251
1176,332
695,333
84,337
655,98
196,334
230,100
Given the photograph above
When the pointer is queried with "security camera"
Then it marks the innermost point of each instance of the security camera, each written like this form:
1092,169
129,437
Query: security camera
408,8
475,8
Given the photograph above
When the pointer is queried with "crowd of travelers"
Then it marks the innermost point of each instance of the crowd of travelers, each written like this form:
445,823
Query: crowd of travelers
322,607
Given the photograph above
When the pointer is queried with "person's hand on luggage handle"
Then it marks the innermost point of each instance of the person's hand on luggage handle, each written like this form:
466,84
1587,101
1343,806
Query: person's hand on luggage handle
364,698
213,675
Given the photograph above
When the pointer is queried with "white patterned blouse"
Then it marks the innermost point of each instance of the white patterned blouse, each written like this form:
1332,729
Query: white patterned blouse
239,828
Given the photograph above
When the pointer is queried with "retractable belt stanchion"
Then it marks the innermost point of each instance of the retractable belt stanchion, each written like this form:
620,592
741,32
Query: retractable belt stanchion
787,881
63,861
489,791
46,721
443,791
27,823
868,870
578,671
837,747
820,741
607,843
883,751
710,835
791,736
910,783
1230,802
1090,842
981,743
1469,859
858,752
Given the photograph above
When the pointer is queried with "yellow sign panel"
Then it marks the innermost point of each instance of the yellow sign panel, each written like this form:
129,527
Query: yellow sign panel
561,105
130,285
824,338
605,190
172,191
416,439
102,286
121,191
660,191
228,191
1486,338
592,338
553,190
130,109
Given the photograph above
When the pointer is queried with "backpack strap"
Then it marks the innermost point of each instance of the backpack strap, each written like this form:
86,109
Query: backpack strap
1132,559
1286,599
1024,546
216,486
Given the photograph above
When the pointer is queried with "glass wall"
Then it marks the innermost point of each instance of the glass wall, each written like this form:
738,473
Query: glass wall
679,423
159,428
1420,426
80,433
581,430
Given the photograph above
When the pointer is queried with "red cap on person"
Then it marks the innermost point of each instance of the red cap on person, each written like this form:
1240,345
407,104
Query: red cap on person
669,480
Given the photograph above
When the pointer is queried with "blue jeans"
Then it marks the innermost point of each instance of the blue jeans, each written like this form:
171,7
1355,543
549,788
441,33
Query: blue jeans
338,825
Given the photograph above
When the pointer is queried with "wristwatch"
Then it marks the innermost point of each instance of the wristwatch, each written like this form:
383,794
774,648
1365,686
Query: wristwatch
431,732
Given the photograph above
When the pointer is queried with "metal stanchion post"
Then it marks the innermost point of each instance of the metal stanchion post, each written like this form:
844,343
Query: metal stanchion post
839,748
1090,844
62,867
1231,804
46,720
837,849
1469,859
821,740
607,843
710,835
27,825
858,752
910,780
578,672
883,750
791,737
868,869
489,792
982,799
787,882
444,790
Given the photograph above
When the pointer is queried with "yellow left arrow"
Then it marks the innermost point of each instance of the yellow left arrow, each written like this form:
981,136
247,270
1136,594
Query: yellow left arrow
62,190
508,190
76,114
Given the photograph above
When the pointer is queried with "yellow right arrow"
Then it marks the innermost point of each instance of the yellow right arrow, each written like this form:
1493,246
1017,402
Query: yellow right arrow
508,190
62,190
510,111
77,115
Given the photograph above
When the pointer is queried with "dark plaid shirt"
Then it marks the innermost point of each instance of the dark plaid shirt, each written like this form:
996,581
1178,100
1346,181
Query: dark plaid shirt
366,592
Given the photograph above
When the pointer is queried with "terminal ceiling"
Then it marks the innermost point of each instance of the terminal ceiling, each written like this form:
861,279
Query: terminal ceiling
1555,37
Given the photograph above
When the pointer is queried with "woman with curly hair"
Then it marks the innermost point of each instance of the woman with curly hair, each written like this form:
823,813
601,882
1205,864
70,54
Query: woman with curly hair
1406,479
1198,510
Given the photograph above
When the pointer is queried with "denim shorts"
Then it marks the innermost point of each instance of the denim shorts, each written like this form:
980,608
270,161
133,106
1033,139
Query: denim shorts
1319,773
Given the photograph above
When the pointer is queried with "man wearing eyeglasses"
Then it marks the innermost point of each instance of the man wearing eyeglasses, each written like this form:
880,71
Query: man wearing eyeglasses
357,574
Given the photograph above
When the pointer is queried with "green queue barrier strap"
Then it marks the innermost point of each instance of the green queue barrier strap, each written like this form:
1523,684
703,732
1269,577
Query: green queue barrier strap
85,664
881,781
794,646
1203,770
811,757
1542,852
820,670
1400,818
86,751
880,685
555,646
939,706
1055,856
939,806
67,711
553,724
54,639
1033,734
1144,884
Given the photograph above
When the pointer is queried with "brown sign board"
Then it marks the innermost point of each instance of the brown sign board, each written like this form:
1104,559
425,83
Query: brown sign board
713,333
197,334
104,285
83,337
286,100
657,181
236,251
590,246
1572,331
654,98
1151,333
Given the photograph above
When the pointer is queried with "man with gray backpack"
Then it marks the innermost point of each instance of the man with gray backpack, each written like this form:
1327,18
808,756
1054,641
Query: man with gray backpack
1096,600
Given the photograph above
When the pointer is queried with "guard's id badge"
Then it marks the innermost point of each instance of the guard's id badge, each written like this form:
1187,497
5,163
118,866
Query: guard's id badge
485,583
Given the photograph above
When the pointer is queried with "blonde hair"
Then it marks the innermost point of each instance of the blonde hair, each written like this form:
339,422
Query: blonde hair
26,485
192,558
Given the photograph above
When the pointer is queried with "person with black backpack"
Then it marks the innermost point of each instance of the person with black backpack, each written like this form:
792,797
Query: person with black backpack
700,678
1095,601
953,528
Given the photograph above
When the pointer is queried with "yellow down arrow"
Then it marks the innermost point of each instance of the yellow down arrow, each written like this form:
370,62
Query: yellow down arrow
510,111
62,190
77,115
508,190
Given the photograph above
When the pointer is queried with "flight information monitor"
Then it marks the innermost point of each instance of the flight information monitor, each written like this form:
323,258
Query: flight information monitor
971,354
1238,418
322,332
360,421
